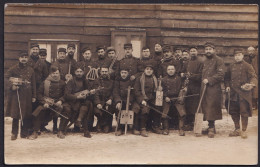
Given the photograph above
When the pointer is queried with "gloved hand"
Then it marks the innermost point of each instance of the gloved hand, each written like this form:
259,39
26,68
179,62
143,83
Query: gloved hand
144,103
118,106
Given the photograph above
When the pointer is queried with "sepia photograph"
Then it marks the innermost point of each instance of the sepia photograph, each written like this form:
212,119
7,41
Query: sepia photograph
146,84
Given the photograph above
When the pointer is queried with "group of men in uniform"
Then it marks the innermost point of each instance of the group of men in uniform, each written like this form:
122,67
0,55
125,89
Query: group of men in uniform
77,91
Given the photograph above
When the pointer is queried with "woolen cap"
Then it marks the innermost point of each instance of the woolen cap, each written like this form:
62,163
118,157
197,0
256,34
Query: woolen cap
62,50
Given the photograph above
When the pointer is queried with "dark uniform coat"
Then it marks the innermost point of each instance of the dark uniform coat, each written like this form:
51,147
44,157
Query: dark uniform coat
120,90
40,69
240,73
102,96
26,92
171,86
194,67
213,70
254,62
127,63
162,71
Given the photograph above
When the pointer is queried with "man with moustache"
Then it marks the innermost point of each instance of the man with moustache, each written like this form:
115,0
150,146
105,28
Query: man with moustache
71,49
76,106
53,87
111,54
129,62
103,60
43,56
177,52
103,100
26,92
252,58
168,60
87,61
212,76
193,73
240,83
158,53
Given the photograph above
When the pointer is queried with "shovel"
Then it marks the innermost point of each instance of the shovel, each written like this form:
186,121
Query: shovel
199,115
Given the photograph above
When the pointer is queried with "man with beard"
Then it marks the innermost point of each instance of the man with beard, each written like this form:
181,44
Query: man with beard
76,105
111,54
168,60
158,54
53,87
212,76
252,59
241,80
129,62
103,101
120,97
193,73
145,92
87,61
71,48
21,95
103,60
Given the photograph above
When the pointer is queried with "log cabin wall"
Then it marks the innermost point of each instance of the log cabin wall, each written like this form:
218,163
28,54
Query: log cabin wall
227,26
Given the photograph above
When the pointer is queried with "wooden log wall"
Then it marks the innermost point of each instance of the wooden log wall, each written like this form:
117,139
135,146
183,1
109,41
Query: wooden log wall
227,26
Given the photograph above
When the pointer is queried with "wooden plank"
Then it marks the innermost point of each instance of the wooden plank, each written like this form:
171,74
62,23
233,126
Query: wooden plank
15,45
209,24
44,20
122,22
202,41
210,33
11,54
43,11
26,37
42,29
198,15
9,63
212,8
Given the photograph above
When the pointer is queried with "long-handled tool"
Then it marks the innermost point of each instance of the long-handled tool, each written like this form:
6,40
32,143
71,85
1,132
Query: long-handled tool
228,104
117,120
175,98
158,111
199,116
19,104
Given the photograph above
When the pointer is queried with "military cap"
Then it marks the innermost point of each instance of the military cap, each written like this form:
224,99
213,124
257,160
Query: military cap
149,65
128,45
125,69
71,45
193,47
110,48
43,52
185,50
79,66
177,48
100,47
158,44
62,50
166,48
145,47
23,53
34,45
208,44
238,51
85,49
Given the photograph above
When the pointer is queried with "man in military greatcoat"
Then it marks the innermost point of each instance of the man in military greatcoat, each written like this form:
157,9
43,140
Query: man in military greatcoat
240,83
22,92
212,76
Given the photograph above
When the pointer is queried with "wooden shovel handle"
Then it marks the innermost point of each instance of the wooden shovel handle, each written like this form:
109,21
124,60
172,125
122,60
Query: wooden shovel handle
202,95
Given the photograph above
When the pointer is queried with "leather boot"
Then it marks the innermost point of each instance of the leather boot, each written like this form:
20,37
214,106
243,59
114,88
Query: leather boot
181,125
87,134
60,135
144,133
211,133
243,134
33,136
55,129
234,133
13,136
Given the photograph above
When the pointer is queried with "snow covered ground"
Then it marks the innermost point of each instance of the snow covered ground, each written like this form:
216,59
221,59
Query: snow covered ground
130,149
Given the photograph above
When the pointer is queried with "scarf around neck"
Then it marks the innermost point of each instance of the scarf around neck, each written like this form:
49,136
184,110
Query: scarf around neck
142,81
47,84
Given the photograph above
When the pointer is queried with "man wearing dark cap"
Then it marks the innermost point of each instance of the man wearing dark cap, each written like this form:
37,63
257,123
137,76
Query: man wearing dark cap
158,53
22,92
168,59
103,100
193,73
111,54
240,82
120,94
129,62
212,76
177,52
71,49
52,88
39,66
145,92
87,60
62,64
103,60
252,58
77,105
43,56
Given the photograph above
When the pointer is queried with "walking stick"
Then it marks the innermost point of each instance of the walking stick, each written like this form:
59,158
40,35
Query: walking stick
18,98
117,120
228,104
